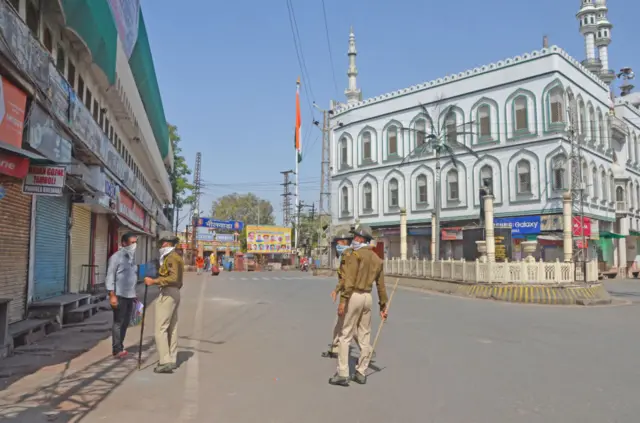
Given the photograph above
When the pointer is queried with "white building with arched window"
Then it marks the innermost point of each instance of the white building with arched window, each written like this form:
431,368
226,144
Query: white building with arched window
514,114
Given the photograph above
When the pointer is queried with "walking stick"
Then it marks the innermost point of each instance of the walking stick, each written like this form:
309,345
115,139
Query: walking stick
375,341
144,311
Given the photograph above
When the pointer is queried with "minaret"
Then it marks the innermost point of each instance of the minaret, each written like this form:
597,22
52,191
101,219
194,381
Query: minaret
603,39
588,28
353,94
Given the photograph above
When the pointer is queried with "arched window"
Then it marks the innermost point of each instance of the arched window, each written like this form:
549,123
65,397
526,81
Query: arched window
421,183
421,132
486,178
612,187
523,169
556,101
583,118
635,146
603,182
484,121
367,197
451,126
366,146
601,129
394,199
344,152
594,184
521,112
619,194
345,200
559,173
637,196
585,175
392,140
592,124
452,185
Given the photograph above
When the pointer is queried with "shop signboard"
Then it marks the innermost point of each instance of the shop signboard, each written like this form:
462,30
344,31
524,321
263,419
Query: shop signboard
225,237
130,210
224,225
580,229
44,136
13,165
201,236
268,239
13,103
451,234
44,180
551,223
521,225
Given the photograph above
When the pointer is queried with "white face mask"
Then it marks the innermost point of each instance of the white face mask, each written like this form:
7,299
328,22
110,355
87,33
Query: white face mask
131,249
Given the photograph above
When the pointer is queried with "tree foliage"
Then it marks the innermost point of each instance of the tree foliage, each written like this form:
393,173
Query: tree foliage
179,183
247,208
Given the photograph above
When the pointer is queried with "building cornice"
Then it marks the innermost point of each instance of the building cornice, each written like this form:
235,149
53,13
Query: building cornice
491,67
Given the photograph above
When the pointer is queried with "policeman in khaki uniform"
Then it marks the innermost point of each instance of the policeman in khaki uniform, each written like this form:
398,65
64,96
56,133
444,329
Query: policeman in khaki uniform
361,269
343,250
169,279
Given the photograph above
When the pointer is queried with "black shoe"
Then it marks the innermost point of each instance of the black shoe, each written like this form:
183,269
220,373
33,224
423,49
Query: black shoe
359,378
163,368
339,380
329,354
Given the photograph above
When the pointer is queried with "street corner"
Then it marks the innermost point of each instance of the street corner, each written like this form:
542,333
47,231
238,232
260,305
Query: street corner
587,295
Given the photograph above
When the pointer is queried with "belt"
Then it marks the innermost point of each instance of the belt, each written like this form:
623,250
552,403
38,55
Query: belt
362,291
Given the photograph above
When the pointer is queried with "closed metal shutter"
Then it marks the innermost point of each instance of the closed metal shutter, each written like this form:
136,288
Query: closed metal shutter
50,257
101,247
80,249
15,225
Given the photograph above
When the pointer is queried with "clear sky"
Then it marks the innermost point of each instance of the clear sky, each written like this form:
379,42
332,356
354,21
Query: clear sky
227,70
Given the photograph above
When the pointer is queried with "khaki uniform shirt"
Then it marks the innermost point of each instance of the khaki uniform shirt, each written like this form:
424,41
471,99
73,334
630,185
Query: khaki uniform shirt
361,270
171,271
343,257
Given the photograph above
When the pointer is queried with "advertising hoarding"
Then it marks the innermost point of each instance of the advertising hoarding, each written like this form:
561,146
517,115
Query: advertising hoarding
268,239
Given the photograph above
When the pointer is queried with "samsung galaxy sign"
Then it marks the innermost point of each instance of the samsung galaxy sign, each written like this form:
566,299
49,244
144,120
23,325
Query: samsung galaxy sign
523,225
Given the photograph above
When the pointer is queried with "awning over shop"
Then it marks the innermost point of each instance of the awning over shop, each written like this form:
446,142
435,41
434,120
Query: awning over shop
610,235
134,229
22,152
634,233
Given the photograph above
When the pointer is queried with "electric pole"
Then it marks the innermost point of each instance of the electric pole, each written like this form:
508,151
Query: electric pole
286,204
325,184
196,206
578,186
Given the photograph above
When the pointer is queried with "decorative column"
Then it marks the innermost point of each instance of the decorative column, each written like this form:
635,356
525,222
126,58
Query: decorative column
403,234
488,228
434,234
567,227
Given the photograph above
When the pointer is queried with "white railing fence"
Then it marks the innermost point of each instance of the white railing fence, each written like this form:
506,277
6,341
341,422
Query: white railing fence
521,272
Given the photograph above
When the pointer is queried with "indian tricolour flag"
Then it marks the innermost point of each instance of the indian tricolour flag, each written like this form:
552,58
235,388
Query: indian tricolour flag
298,133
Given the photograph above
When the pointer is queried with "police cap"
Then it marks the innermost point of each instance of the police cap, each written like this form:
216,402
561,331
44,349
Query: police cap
168,236
362,230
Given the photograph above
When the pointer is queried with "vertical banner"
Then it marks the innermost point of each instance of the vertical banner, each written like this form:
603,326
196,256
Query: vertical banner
126,15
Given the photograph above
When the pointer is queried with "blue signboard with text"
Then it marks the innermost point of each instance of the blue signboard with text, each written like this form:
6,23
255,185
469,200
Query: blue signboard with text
222,225
521,225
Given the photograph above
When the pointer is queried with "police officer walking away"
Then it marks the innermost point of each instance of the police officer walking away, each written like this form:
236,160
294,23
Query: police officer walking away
361,269
343,250
169,279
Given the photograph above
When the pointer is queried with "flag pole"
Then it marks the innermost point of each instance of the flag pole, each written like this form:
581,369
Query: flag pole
298,152
297,201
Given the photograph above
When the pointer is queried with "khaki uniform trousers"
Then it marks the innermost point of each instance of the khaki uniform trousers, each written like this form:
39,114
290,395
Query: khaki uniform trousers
337,331
357,321
167,325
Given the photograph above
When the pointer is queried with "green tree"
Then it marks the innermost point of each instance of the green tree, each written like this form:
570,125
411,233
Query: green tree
180,185
247,208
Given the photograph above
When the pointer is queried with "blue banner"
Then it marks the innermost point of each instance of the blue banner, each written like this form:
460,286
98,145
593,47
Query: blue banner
223,225
522,225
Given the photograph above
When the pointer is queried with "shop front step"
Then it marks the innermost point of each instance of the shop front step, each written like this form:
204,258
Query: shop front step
81,313
57,307
28,331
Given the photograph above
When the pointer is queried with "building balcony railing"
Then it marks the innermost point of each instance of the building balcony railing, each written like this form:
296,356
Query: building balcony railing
35,61
619,126
621,207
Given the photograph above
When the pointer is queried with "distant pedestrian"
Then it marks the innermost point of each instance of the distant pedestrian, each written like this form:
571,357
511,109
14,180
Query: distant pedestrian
207,263
361,270
122,276
170,281
199,264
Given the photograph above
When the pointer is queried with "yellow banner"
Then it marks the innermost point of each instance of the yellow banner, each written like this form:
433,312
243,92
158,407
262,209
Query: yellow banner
268,239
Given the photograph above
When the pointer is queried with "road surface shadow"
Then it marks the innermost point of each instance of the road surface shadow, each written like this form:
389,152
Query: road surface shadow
72,397
183,357
62,346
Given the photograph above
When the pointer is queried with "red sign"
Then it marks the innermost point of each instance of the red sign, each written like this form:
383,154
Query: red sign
13,103
13,165
580,246
131,210
578,228
451,234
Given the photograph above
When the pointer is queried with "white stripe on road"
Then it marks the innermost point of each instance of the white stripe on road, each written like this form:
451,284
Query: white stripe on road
192,383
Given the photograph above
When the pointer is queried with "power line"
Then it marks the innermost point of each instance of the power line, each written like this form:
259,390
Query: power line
326,30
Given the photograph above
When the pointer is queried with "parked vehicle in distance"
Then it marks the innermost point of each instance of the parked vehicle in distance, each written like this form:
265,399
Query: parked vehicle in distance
250,259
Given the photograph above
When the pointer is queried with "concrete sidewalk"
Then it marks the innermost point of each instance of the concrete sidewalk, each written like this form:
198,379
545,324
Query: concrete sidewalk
64,352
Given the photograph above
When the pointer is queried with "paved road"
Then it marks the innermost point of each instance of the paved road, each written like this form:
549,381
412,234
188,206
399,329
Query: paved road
251,343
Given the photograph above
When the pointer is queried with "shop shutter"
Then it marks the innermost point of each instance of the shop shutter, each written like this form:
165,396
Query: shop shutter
80,249
50,258
15,224
101,247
